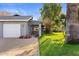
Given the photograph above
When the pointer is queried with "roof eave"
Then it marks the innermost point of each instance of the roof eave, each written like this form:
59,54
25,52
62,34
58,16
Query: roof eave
18,20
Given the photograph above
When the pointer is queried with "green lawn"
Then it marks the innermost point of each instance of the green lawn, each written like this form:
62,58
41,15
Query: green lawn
53,45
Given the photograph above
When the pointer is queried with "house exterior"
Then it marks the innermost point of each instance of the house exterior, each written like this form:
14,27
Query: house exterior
15,26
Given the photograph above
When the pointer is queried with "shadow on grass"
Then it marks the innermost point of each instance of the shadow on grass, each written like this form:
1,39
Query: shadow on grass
58,49
53,45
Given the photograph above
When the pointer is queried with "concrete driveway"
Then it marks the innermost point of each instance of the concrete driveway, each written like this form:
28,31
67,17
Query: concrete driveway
7,44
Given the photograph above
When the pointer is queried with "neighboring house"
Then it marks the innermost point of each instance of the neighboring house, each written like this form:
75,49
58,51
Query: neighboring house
15,26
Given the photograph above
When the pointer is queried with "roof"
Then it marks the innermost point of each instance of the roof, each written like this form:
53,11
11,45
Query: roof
35,22
15,18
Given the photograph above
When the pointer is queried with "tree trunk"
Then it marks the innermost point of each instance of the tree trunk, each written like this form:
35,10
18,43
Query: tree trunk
72,24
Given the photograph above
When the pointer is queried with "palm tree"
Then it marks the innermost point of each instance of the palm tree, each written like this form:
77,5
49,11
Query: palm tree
72,23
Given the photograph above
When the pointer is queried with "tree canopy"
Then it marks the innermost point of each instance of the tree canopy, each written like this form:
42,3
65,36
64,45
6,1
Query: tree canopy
53,13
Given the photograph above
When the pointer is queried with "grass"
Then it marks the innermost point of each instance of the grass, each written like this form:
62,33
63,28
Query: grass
53,45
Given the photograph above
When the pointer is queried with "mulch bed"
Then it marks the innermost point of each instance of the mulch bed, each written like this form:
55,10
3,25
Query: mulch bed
25,37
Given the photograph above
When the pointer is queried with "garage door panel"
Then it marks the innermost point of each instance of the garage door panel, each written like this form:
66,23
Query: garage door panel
11,30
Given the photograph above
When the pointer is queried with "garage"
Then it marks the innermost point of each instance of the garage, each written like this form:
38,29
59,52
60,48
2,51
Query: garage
11,30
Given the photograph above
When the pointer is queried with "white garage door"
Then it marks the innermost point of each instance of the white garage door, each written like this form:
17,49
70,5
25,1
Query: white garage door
11,30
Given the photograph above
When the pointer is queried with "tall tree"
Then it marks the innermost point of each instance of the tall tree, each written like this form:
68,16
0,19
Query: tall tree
50,14
72,23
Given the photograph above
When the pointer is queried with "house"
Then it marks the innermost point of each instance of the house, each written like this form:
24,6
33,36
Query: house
15,26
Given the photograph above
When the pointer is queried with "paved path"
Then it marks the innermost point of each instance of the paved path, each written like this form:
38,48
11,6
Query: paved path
19,47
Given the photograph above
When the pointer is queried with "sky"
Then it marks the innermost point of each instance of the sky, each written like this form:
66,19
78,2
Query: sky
27,9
